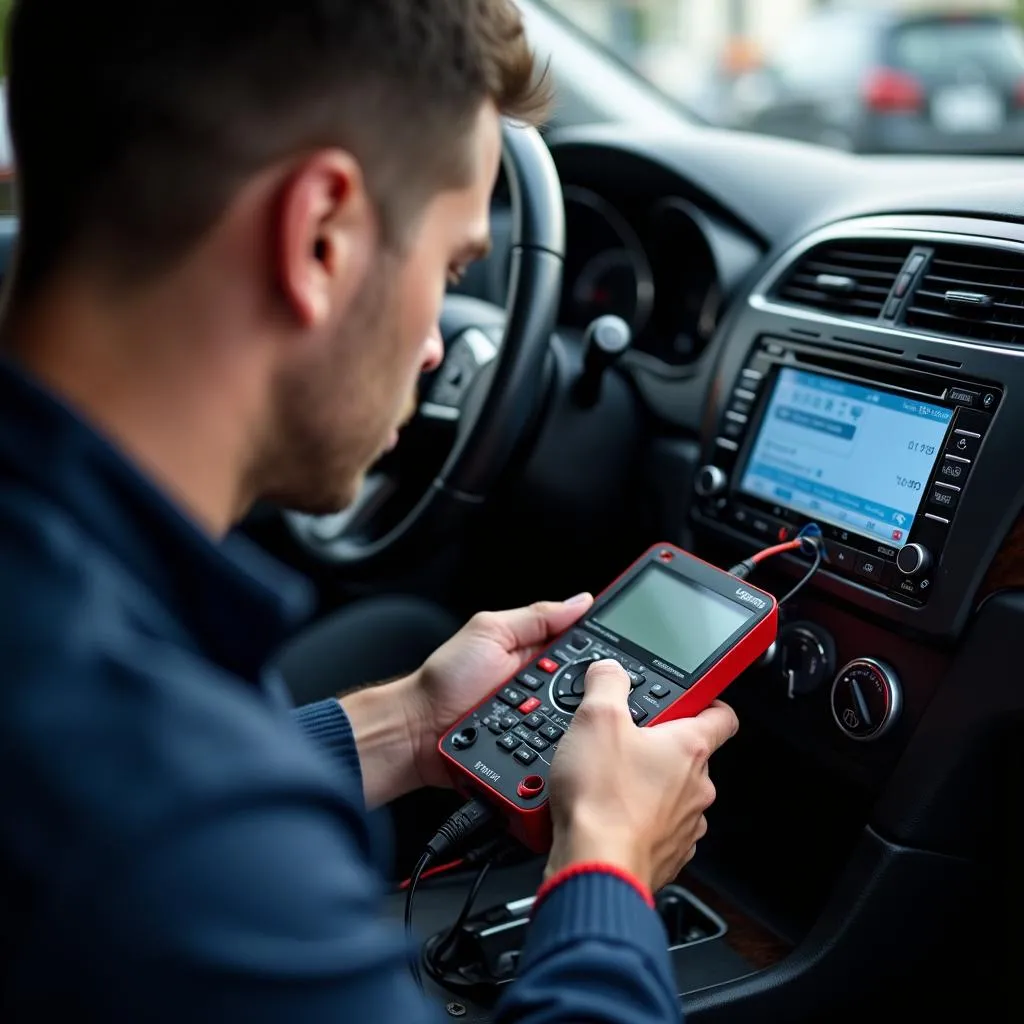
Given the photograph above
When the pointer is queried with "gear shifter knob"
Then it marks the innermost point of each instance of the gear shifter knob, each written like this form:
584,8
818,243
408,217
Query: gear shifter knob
604,342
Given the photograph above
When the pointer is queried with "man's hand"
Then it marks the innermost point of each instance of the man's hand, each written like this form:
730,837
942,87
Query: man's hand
473,663
627,796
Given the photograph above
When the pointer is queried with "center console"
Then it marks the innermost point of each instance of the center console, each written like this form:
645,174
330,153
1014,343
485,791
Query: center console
880,459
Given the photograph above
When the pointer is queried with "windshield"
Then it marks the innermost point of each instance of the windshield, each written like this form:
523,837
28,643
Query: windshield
939,76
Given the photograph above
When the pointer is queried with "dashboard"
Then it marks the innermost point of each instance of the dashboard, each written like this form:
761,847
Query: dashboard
837,340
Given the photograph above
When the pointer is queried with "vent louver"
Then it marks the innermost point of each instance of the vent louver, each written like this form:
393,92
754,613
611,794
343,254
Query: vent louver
971,292
850,277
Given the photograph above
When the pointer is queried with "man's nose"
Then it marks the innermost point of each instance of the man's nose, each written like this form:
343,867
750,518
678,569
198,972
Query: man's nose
433,350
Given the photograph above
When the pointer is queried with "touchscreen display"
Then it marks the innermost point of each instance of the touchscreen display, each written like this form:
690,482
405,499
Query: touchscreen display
676,620
841,453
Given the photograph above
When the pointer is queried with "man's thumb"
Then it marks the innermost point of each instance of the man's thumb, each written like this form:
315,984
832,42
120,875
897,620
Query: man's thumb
606,682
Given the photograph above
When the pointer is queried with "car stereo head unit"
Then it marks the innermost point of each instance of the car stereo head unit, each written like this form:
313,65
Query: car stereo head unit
878,459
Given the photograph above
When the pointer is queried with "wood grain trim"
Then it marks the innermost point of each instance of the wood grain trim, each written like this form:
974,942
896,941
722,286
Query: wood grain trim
745,937
1007,568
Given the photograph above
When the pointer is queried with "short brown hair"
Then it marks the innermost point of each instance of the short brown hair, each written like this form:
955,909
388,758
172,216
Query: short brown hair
135,124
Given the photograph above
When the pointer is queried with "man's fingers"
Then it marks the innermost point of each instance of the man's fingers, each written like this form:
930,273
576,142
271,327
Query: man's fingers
714,726
537,623
606,683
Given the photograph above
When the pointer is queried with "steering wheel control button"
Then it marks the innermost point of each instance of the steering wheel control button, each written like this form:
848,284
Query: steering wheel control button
525,755
659,690
529,705
533,721
548,665
494,726
637,714
551,733
522,732
530,680
635,678
538,742
512,697
530,787
913,559
507,721
464,739
866,699
509,742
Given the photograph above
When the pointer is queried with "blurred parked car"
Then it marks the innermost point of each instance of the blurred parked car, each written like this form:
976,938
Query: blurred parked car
877,81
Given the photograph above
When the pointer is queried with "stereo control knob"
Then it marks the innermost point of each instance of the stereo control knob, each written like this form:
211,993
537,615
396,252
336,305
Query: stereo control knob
807,658
710,481
866,699
913,559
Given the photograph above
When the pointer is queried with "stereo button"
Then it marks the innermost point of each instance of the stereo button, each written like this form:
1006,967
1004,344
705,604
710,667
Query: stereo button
964,444
870,568
954,472
964,397
841,557
944,496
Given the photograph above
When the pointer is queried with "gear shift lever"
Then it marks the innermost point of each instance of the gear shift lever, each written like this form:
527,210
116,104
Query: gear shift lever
604,342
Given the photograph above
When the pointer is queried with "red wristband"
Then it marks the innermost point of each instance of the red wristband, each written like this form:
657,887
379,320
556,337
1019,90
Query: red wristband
595,867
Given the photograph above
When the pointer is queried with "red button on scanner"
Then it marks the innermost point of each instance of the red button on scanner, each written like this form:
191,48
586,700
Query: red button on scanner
531,786
548,665
529,705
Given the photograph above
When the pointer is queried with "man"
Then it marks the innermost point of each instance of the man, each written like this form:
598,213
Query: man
237,223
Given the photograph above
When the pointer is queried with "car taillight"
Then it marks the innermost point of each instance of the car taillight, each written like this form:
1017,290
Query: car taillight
887,90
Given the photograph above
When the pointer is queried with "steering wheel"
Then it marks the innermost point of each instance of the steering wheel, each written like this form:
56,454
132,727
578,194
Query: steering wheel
475,408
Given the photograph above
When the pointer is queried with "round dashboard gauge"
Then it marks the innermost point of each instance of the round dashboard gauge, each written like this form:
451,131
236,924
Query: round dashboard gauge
610,282
607,269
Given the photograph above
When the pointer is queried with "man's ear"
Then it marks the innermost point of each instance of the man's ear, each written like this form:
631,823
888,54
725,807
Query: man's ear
326,230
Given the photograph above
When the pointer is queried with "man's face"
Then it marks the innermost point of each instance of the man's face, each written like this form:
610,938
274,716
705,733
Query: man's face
340,407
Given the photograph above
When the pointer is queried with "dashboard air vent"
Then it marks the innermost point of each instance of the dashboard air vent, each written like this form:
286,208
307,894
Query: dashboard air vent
850,277
971,291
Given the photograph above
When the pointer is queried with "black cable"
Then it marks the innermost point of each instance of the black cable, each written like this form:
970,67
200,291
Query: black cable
815,566
414,879
458,827
444,946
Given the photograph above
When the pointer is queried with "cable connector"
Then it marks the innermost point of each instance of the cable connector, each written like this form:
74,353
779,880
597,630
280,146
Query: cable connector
813,541
467,820
741,570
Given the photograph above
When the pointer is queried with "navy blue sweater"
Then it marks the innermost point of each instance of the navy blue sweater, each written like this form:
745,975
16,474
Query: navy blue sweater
176,843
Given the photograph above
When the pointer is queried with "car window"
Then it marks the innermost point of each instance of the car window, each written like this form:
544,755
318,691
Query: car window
953,48
869,76
830,49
